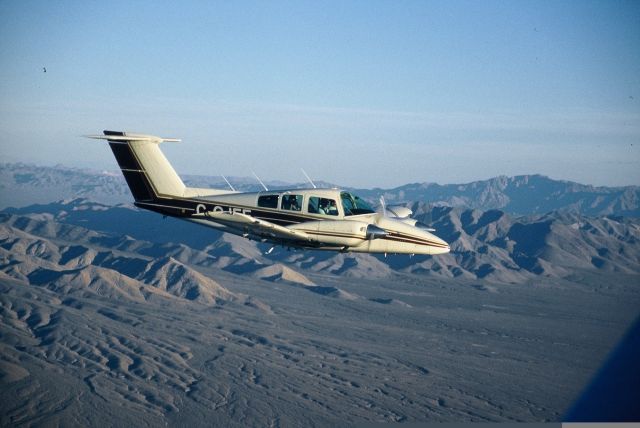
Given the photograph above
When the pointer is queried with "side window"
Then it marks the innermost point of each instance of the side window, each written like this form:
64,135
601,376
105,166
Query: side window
322,206
268,201
347,204
313,206
292,202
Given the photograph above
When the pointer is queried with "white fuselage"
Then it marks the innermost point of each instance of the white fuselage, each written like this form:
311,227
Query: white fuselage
332,228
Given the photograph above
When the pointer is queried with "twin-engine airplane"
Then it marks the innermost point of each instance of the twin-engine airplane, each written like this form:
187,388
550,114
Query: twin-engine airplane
319,219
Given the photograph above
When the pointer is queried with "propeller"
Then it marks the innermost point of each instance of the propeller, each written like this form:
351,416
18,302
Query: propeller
383,206
395,211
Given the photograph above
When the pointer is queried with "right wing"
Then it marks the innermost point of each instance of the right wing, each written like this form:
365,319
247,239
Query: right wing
254,226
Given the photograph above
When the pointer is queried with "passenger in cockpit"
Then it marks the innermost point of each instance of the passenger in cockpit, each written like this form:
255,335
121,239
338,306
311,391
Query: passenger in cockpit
294,203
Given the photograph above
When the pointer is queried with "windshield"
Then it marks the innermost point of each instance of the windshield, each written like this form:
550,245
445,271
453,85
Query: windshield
354,205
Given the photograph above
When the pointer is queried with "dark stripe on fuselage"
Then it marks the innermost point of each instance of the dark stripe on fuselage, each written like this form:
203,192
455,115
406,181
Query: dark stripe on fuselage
337,235
183,207
412,240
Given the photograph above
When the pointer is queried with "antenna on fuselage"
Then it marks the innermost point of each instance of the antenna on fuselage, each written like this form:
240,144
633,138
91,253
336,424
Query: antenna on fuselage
308,178
256,176
225,179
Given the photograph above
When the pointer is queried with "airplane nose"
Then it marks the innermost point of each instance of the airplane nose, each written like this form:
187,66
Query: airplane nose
439,250
445,246
440,240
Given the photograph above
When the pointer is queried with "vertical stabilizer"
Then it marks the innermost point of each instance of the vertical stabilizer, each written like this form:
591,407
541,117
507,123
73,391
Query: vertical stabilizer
145,168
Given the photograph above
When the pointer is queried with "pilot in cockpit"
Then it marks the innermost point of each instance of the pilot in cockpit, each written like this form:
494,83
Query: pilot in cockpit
332,209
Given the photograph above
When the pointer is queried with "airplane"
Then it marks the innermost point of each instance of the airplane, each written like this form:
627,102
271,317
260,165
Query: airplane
312,218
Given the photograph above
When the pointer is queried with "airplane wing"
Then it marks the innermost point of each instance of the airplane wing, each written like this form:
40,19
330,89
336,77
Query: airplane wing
255,226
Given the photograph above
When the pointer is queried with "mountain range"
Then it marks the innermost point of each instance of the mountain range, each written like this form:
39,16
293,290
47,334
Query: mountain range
23,184
484,244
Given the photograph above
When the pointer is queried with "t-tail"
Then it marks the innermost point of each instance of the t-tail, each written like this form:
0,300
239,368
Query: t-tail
147,171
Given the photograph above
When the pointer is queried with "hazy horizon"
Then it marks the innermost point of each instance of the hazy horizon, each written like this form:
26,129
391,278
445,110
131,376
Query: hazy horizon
114,170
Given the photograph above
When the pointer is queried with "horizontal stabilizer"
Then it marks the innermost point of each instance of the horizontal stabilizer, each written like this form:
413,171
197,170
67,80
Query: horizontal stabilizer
123,136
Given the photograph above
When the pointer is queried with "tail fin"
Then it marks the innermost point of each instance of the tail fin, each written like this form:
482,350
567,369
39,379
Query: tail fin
147,171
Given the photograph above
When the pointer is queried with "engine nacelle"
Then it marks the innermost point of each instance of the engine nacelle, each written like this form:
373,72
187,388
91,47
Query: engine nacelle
409,221
399,212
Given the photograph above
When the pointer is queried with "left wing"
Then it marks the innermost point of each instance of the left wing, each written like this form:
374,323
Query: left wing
255,226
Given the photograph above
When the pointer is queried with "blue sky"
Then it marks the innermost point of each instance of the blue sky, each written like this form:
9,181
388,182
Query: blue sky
358,93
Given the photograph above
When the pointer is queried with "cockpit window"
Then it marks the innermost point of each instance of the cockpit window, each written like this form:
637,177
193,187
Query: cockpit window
354,205
292,202
268,201
322,206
